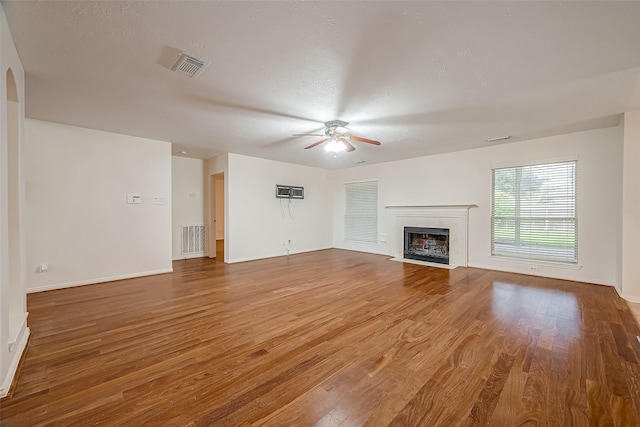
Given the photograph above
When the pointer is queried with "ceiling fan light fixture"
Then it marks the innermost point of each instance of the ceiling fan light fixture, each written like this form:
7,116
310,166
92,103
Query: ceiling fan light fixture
337,138
334,146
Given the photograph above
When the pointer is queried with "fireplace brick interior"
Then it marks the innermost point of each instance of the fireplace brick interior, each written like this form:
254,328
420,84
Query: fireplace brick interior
427,244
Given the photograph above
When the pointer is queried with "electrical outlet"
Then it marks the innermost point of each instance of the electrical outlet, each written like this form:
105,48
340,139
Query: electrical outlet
383,238
533,268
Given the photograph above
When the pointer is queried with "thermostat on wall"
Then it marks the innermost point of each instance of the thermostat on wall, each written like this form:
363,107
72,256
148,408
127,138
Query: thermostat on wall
134,199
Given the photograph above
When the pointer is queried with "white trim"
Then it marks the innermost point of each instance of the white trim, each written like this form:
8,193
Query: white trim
369,248
453,217
565,159
19,320
552,264
97,280
534,162
18,350
630,298
506,269
356,181
189,256
425,263
627,297
234,261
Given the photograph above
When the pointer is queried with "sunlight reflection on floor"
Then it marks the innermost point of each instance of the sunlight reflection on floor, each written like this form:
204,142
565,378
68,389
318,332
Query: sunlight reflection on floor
539,308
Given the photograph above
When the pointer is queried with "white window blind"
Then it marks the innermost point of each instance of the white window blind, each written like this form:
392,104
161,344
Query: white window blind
361,211
534,212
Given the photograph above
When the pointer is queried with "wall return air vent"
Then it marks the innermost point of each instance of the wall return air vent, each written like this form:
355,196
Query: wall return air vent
189,66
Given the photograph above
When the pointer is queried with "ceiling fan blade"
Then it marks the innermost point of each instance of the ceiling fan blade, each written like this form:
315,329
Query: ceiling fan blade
307,134
315,143
368,141
347,144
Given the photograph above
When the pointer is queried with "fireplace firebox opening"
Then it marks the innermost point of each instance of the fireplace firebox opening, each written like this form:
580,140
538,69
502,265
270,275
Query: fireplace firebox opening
427,244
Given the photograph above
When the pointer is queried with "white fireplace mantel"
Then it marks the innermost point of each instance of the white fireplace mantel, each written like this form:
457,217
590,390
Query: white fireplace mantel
453,217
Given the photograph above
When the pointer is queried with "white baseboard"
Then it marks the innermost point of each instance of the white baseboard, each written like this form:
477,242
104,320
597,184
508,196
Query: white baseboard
370,248
97,280
425,263
183,257
540,273
630,298
15,354
627,297
233,261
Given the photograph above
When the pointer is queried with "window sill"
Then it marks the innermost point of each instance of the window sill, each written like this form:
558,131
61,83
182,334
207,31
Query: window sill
551,264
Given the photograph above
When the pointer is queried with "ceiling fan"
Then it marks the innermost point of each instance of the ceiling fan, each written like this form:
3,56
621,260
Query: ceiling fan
336,133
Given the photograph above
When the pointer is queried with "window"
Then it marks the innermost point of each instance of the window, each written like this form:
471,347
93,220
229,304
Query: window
534,212
361,211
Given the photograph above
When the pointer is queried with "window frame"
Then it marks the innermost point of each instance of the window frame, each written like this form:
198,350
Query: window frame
535,256
374,239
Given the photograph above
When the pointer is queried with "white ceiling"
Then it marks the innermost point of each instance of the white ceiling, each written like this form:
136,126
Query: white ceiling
421,77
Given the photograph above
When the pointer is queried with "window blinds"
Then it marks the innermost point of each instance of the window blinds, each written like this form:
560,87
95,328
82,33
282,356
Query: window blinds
361,211
534,212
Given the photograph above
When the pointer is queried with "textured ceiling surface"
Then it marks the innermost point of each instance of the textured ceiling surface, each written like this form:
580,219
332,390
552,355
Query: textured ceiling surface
421,77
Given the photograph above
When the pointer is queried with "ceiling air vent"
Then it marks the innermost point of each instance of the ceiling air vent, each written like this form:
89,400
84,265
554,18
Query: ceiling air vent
189,66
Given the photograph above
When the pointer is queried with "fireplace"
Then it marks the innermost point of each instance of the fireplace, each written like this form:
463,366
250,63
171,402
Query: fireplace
427,244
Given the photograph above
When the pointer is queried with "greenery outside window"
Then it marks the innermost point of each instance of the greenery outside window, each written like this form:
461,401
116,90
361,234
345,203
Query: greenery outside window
534,212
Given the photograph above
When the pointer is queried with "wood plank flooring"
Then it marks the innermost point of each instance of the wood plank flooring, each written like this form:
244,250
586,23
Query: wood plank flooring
329,338
635,310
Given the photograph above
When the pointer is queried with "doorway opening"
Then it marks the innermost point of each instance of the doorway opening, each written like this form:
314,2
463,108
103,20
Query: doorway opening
216,220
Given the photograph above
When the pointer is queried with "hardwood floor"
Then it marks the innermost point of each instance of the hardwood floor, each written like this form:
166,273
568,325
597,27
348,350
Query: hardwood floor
635,310
329,338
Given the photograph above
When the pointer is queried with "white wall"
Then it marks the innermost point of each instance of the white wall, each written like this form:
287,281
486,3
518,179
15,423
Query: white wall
465,178
13,316
186,199
631,208
76,215
256,224
619,191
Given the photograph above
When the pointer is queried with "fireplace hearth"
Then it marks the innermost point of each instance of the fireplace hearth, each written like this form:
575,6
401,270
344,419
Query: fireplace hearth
426,244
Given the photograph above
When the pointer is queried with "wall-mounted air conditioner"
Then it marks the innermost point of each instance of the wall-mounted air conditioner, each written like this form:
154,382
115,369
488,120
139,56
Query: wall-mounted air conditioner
289,192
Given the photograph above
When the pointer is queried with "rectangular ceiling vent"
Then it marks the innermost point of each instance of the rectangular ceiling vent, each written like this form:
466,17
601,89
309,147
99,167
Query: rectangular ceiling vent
189,66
